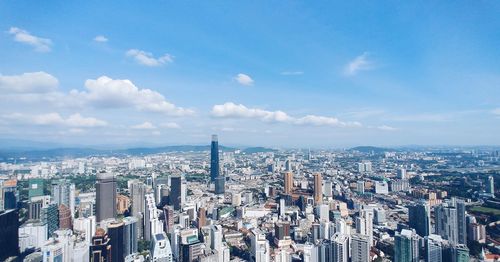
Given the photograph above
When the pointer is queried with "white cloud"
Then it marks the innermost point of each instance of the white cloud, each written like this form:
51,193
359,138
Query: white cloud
23,36
244,79
156,133
292,73
36,82
496,111
101,39
74,120
171,125
360,63
232,110
107,92
386,128
147,58
146,125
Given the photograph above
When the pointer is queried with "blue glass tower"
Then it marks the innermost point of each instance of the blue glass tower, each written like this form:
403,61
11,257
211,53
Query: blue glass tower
214,158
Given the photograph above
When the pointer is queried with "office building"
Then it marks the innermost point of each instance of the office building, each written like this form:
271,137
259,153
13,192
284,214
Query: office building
116,234
63,193
50,216
161,250
35,187
318,188
360,248
130,235
419,217
288,182
100,249
176,191
461,221
406,246
491,186
259,247
364,224
202,217
477,232
446,222
65,221
340,247
402,173
220,185
214,158
9,232
105,196
433,248
85,226
152,224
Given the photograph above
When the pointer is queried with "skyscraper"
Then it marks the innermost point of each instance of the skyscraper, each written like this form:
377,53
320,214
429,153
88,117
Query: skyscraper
63,193
364,224
105,196
101,248
406,248
340,247
461,222
433,248
9,232
130,235
288,182
137,192
214,158
446,222
202,217
65,221
116,234
259,247
152,225
35,187
175,191
318,188
420,218
360,248
491,186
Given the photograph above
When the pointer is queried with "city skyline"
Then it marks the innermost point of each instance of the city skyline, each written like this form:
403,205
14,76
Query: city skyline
258,74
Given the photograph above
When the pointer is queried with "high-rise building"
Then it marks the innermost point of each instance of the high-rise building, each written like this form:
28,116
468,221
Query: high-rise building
101,249
65,221
214,158
152,224
85,225
360,248
406,247
446,222
9,232
433,248
318,188
340,247
63,193
402,173
216,241
491,186
420,218
35,187
364,224
116,234
130,235
461,221
477,232
10,194
360,187
288,182
175,191
161,250
168,212
105,196
137,191
202,217
220,185
459,253
50,216
259,247
122,204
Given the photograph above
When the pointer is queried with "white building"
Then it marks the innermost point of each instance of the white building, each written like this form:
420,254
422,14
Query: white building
260,250
161,250
360,248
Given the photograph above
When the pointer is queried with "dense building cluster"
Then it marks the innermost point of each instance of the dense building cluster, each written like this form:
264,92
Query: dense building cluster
259,205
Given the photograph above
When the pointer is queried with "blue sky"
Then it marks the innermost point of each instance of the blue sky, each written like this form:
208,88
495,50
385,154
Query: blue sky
308,74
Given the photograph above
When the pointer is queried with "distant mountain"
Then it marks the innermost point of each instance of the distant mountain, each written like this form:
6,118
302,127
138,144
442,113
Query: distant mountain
30,154
369,149
251,150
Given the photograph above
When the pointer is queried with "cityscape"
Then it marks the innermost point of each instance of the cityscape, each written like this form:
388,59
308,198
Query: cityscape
217,203
260,131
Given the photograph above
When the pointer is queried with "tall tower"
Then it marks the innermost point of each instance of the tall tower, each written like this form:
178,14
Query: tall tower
406,247
420,218
288,183
491,186
214,158
105,196
318,188
176,191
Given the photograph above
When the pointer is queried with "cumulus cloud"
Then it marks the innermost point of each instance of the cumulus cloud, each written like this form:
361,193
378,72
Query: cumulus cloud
23,36
74,120
147,58
144,126
36,82
171,125
101,39
244,79
386,128
107,92
232,110
360,63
